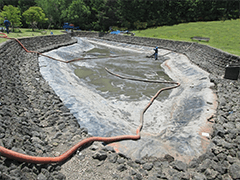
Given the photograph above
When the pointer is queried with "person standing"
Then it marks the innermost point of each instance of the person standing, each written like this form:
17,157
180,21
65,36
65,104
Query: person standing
7,24
156,53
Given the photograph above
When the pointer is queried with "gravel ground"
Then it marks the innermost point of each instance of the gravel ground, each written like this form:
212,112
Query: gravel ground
34,121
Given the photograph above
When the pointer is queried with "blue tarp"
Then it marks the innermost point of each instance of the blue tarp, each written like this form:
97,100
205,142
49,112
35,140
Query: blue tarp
115,32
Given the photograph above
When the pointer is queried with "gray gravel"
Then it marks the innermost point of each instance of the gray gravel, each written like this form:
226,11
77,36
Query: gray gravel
34,121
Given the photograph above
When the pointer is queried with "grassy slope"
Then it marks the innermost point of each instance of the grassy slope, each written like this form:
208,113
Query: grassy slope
29,33
223,34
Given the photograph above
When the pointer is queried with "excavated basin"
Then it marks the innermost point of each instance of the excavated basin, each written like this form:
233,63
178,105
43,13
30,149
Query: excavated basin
106,105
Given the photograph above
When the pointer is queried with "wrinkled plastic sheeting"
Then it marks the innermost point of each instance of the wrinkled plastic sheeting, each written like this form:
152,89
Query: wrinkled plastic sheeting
172,125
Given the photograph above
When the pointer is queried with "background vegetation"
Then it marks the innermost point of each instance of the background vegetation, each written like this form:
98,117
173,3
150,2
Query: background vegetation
99,15
173,19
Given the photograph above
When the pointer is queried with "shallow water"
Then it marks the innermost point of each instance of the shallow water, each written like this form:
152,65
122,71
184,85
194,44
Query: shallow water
123,63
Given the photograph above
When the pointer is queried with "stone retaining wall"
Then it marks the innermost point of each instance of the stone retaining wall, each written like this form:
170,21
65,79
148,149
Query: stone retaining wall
210,59
33,120
46,43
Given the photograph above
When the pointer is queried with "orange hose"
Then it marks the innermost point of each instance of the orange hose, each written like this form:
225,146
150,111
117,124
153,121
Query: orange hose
46,160
5,36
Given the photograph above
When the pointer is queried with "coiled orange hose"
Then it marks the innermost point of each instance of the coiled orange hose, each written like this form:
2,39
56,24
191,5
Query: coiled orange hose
46,160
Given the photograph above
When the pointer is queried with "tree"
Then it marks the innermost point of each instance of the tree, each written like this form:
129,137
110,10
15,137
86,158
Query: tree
52,9
140,25
23,5
34,15
12,14
77,13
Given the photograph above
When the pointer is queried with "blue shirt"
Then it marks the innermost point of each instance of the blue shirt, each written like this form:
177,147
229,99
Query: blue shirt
7,23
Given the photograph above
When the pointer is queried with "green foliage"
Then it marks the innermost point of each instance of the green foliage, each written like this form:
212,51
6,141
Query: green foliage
77,13
34,15
101,14
24,5
12,14
104,14
140,25
52,9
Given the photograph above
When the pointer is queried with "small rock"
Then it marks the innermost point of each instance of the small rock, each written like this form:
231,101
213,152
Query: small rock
211,174
61,126
123,155
112,158
59,176
26,169
99,164
18,150
116,176
168,158
121,161
205,164
45,172
94,147
108,148
193,164
138,176
57,135
35,170
100,155
37,140
41,176
140,161
179,165
143,172
147,166
133,164
2,135
221,156
198,176
234,171
8,143
84,130
132,172
2,130
56,154
121,167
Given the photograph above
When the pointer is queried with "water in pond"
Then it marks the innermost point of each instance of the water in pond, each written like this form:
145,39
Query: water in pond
124,63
